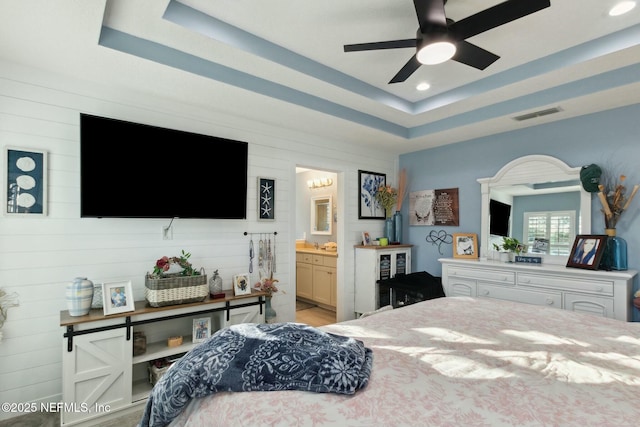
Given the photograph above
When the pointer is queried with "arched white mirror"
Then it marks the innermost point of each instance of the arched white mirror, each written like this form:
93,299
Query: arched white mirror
539,200
321,214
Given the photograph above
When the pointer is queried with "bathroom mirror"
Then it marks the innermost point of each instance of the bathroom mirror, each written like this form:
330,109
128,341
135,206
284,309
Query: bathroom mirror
321,214
527,175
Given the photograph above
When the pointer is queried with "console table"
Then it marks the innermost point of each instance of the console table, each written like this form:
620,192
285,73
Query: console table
100,375
603,293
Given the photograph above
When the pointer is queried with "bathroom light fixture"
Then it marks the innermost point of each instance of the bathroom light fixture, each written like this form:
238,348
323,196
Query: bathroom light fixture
423,86
319,183
622,8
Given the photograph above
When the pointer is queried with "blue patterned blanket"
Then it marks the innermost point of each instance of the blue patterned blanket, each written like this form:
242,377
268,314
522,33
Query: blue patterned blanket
260,357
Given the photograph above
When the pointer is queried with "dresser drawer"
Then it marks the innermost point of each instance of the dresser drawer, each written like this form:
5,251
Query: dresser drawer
597,287
330,261
589,304
550,299
303,257
508,277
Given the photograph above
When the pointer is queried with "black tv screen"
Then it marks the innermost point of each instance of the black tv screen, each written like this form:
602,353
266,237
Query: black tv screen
499,218
131,170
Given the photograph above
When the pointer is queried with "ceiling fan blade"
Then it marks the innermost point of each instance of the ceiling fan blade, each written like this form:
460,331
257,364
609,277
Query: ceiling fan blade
392,44
409,68
495,16
430,14
474,56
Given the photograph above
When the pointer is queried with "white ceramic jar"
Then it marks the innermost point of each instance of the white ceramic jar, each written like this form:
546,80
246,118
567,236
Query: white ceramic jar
79,295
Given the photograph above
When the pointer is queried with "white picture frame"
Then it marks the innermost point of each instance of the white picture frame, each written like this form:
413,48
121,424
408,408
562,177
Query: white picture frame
117,297
25,186
201,329
241,284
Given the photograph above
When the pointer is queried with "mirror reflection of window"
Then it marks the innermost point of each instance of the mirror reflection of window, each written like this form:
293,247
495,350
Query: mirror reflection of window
550,232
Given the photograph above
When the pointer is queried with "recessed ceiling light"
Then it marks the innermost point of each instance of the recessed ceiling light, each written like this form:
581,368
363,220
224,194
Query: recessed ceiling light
622,8
423,86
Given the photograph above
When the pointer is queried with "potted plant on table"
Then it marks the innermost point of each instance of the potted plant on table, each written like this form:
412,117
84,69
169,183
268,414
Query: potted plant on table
510,246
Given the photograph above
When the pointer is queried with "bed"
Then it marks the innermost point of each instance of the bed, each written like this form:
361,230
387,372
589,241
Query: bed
461,361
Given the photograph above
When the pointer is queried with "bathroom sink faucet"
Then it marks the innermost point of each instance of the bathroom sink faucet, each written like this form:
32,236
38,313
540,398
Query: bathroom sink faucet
315,245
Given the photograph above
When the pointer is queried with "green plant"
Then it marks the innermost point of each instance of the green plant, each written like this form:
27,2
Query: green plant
509,244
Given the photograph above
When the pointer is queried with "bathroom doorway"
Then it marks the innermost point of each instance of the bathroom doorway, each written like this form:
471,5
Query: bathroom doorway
316,246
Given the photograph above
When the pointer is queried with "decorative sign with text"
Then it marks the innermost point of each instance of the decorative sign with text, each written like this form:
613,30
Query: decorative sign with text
434,207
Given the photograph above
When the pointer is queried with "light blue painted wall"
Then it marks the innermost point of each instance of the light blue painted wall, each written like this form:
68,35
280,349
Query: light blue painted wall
610,139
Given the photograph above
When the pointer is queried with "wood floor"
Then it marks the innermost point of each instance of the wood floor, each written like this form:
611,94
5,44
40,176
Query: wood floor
315,316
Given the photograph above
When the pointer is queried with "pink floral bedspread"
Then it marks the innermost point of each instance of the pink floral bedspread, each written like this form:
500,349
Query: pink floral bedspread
461,361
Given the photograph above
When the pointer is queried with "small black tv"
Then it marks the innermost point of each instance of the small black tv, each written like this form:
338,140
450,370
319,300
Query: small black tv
131,170
499,214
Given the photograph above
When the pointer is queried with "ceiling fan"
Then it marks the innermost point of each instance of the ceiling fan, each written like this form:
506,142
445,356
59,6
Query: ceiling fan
439,39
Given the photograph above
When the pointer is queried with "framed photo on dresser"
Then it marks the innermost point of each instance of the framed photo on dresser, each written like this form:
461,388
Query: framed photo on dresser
587,251
465,245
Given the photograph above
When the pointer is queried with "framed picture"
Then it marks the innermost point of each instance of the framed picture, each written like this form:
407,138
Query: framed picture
25,190
366,238
587,251
368,206
434,207
266,199
201,329
241,284
465,245
117,297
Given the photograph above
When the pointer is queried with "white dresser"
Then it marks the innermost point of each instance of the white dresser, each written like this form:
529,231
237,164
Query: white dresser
603,293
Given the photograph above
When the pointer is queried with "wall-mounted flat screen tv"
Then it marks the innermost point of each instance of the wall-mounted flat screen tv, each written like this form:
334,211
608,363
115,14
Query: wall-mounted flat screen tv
499,218
131,170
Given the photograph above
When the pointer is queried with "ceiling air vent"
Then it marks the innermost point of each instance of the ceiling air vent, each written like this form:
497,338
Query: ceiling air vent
538,114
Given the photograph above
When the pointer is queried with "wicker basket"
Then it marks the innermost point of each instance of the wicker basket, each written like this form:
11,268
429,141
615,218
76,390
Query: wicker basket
176,289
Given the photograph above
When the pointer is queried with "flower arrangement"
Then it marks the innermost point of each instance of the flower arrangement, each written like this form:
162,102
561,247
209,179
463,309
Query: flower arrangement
636,299
402,187
387,196
164,264
614,202
267,284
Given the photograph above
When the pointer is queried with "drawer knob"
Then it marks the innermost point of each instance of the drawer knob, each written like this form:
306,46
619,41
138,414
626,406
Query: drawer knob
599,288
549,301
485,292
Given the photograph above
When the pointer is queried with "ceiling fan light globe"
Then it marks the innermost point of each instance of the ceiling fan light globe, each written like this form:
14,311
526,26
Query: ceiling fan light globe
436,53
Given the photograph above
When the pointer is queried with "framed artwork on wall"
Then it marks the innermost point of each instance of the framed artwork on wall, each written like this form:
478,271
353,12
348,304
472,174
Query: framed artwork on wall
368,206
465,245
117,297
434,207
266,199
587,251
25,188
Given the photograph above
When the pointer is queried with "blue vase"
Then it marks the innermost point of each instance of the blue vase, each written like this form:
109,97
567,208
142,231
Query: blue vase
269,313
397,225
615,252
389,230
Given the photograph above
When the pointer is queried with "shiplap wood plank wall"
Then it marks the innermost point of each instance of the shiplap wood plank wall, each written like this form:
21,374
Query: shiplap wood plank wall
40,255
